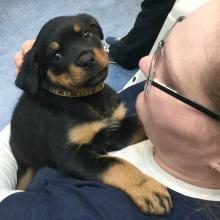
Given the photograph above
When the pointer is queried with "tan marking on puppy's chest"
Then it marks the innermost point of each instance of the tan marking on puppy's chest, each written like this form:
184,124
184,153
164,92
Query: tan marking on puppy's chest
85,132
119,113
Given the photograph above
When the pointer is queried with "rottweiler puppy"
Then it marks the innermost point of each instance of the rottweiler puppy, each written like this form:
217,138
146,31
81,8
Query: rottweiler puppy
69,119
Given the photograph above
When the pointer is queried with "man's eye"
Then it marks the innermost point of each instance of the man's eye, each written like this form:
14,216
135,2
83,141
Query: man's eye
87,34
56,58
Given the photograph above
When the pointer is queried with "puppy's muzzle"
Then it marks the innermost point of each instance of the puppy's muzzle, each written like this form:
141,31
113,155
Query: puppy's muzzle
86,60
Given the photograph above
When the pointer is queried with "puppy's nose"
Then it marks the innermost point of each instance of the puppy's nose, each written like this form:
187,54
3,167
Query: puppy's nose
86,60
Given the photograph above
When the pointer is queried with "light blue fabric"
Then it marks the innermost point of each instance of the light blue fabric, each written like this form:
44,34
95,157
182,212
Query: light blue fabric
22,20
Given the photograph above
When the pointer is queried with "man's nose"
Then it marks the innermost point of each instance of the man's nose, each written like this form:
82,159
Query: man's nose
144,64
86,60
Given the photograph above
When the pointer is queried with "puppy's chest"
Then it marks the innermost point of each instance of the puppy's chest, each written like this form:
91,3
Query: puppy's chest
106,120
87,111
116,111
103,111
102,106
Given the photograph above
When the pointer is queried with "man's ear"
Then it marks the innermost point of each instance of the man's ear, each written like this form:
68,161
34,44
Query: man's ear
28,76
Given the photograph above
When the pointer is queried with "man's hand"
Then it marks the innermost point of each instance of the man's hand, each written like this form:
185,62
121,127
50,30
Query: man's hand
19,56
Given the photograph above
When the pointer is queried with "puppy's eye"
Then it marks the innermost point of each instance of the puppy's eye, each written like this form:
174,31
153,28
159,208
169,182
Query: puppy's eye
87,34
56,58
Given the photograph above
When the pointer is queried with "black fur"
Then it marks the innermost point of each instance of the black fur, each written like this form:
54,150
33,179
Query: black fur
42,120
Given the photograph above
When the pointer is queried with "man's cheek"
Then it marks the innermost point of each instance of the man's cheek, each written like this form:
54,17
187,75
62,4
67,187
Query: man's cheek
141,105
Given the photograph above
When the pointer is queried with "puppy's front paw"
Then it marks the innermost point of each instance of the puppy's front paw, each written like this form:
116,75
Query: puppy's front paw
150,196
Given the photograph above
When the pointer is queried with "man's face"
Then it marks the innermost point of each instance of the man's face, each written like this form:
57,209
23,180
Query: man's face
182,66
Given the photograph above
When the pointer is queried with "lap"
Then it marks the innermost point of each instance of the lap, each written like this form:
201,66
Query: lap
52,195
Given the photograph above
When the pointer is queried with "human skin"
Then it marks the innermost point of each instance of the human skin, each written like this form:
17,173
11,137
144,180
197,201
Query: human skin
186,143
19,56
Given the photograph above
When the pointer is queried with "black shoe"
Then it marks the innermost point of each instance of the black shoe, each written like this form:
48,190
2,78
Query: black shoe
115,44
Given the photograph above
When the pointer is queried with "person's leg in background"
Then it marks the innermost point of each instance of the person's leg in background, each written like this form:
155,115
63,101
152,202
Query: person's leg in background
138,42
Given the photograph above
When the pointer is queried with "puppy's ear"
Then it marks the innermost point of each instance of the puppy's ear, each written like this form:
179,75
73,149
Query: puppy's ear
97,28
28,77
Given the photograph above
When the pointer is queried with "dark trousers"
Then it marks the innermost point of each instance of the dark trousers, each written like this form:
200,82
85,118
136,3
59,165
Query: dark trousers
140,39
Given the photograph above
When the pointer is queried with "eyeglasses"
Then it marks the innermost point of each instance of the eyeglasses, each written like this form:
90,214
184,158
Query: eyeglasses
150,81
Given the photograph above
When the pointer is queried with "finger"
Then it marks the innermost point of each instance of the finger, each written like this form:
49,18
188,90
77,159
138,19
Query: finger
16,71
27,45
18,59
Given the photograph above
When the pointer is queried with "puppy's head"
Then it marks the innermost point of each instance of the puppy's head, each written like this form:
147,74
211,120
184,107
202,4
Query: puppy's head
67,53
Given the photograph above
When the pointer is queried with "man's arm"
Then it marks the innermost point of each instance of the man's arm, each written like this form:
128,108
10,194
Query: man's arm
8,166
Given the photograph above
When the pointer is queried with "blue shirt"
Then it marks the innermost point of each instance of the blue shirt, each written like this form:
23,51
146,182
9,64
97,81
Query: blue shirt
52,196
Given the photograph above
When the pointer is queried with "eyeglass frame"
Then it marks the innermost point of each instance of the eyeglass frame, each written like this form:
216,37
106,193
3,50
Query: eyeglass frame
150,81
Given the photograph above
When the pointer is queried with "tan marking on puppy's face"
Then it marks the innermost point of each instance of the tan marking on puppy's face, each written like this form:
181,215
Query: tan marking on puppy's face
149,195
74,78
119,112
25,179
101,57
84,133
54,45
77,72
77,28
63,79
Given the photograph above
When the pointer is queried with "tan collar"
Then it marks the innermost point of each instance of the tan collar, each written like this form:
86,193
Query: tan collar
78,93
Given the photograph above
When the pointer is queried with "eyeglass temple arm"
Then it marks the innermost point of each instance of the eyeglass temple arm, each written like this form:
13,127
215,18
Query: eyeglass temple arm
182,98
